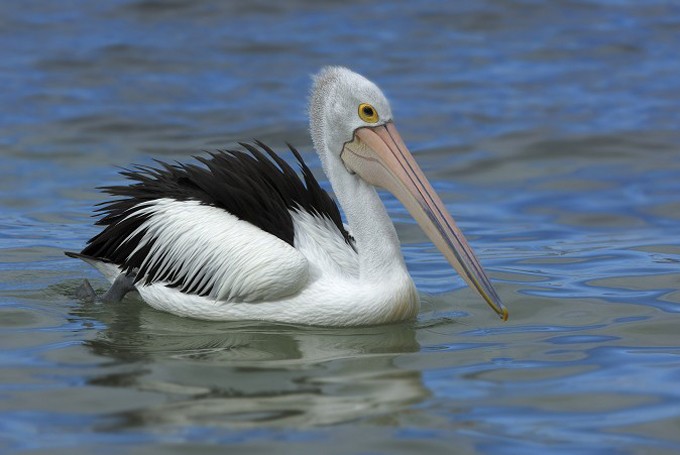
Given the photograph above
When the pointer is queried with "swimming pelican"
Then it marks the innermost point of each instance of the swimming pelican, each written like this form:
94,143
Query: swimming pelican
242,237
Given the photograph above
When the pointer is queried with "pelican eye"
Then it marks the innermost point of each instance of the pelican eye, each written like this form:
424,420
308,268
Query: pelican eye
367,113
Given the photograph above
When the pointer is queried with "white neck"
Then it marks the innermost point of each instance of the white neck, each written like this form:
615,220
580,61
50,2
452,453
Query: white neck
376,238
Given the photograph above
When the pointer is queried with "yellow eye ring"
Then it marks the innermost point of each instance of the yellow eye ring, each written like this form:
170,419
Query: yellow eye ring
367,113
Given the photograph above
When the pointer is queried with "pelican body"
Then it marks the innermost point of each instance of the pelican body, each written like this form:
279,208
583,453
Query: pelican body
239,235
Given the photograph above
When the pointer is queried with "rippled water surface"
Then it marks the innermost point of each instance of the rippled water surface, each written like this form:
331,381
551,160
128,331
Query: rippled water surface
550,129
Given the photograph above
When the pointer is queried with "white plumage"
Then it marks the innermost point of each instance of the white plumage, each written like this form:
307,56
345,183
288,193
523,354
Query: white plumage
259,276
238,261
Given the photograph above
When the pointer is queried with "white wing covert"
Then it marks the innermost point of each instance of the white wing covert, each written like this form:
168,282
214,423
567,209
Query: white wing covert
206,251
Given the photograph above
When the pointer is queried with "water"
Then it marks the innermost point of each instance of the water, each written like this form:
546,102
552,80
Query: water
549,128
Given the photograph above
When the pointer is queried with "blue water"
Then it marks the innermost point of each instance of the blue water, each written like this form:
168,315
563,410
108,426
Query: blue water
550,129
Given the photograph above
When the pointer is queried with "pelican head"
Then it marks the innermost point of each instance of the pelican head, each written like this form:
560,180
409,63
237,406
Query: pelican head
353,131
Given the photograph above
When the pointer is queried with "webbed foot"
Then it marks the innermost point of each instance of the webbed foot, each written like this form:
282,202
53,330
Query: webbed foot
86,293
121,286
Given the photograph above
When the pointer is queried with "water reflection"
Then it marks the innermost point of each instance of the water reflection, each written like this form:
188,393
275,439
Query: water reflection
244,374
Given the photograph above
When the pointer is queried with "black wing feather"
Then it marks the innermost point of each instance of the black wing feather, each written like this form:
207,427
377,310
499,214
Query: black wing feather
256,185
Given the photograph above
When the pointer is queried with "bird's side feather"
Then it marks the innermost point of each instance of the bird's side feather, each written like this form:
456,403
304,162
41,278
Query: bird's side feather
206,251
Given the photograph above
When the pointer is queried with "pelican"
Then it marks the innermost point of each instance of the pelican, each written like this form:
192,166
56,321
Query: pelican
239,235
